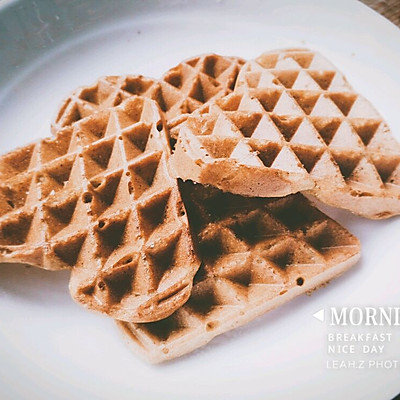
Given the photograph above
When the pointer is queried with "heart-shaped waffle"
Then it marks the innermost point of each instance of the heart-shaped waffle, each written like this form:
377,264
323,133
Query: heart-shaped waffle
97,198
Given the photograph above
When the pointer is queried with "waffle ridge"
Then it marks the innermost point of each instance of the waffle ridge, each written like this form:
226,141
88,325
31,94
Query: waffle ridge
256,254
97,198
181,90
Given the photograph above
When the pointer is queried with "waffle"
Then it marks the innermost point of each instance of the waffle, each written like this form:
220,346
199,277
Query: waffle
97,198
235,146
256,255
342,141
182,89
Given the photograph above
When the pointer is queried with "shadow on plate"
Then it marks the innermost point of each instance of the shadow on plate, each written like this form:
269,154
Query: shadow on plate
34,284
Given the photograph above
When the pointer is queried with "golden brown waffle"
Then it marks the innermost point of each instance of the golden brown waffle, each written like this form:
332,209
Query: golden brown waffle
98,198
181,90
256,255
339,137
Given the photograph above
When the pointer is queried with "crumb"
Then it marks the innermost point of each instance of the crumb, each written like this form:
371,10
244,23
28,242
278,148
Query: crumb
322,285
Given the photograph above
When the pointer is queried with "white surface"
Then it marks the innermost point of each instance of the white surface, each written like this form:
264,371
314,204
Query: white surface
50,348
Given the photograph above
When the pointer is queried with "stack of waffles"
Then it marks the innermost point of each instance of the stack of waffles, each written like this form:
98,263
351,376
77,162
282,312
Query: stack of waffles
183,205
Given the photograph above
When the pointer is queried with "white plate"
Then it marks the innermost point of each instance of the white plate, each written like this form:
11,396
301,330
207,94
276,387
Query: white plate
51,348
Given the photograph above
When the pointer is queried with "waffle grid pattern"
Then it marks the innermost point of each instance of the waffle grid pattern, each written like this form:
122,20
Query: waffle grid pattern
181,90
98,198
360,142
257,254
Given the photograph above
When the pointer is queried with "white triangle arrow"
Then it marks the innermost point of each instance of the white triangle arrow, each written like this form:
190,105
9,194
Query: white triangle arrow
320,315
